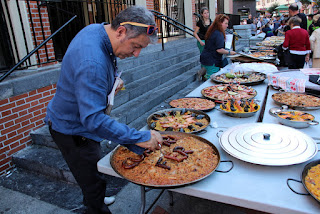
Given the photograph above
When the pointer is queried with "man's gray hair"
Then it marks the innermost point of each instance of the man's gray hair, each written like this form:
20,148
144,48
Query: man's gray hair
294,7
135,14
295,21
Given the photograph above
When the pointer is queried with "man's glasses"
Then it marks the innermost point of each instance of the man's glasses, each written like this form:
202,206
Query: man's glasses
150,28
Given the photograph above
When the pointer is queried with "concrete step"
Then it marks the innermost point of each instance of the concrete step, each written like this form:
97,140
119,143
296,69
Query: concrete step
142,120
154,52
47,159
43,160
135,73
152,96
156,77
59,193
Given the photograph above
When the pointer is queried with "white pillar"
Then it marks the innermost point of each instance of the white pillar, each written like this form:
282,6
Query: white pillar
212,9
227,6
188,15
141,3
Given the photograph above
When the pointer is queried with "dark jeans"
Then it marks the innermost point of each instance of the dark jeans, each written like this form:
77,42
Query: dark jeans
296,61
82,155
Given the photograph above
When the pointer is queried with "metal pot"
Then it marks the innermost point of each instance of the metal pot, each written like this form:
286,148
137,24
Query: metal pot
293,123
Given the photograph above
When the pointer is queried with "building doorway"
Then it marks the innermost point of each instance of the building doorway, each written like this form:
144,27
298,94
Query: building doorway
6,54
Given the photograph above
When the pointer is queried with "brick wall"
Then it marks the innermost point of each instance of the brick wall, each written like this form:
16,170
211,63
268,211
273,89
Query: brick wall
150,5
37,36
18,116
194,21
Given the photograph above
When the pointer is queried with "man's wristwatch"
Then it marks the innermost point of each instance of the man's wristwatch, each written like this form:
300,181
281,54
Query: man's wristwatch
229,52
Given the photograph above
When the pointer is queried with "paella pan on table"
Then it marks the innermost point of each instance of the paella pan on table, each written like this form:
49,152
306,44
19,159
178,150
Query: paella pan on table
187,159
224,92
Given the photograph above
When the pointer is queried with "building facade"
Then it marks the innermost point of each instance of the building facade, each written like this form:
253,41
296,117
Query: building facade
26,24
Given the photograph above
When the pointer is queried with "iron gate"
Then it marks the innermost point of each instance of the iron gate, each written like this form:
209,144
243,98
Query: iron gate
173,9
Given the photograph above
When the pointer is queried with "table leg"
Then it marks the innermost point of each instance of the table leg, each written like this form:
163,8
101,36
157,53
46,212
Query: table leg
171,198
143,199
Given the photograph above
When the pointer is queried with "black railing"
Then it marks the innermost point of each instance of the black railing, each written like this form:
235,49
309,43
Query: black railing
50,16
163,18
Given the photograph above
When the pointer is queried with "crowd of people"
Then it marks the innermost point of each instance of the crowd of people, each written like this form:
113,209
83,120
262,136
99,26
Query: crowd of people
301,32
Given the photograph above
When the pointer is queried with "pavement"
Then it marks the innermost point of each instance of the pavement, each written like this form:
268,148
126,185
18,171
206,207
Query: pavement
127,201
13,202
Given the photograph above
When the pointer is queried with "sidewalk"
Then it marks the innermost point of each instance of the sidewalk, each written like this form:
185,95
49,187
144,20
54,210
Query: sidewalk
12,202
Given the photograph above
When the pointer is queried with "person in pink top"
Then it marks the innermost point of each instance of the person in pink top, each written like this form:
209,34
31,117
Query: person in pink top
297,41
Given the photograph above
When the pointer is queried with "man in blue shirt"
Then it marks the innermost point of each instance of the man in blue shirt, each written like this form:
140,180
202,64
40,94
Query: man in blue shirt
76,116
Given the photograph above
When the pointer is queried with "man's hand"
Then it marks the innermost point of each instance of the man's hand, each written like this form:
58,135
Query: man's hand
120,85
153,143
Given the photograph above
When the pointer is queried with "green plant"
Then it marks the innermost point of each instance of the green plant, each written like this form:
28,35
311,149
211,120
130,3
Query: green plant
273,7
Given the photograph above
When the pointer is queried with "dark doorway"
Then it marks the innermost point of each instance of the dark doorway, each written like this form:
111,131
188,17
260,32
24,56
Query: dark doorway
6,54
87,11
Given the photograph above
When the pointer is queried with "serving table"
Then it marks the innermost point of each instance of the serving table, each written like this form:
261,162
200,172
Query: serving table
247,185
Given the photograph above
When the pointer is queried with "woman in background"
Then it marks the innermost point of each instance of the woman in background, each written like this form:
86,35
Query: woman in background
211,57
315,44
202,27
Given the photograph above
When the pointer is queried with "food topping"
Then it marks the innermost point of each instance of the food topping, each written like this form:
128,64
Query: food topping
229,91
312,181
193,103
179,121
240,106
296,116
296,99
189,159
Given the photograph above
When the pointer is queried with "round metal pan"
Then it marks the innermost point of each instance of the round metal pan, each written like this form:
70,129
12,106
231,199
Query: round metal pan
293,123
221,101
213,78
208,109
216,152
304,174
179,109
296,107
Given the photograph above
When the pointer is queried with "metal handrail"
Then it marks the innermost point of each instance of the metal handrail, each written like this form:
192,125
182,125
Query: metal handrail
36,49
174,23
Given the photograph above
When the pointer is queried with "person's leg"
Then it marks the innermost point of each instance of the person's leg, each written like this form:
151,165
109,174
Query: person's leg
292,64
300,60
82,155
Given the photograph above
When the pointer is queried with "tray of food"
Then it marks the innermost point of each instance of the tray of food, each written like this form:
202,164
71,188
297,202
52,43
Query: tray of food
223,92
295,100
196,103
186,159
240,108
248,78
179,120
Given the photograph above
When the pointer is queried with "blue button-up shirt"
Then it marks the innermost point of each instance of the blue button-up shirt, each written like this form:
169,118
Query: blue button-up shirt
87,77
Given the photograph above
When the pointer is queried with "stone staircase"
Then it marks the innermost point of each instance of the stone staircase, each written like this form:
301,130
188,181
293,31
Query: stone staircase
151,81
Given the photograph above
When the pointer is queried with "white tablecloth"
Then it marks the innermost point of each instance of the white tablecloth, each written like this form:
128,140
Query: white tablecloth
247,185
